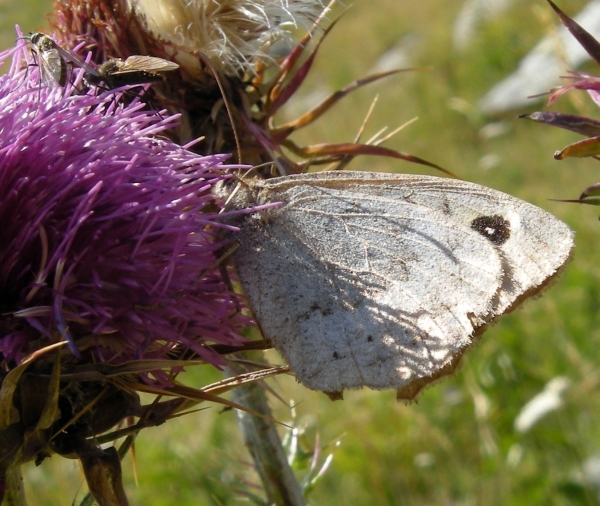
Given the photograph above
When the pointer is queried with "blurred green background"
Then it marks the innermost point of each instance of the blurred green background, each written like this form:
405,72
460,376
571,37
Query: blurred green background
458,444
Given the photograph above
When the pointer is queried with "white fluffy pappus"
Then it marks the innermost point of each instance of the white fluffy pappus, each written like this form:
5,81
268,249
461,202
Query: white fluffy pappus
231,33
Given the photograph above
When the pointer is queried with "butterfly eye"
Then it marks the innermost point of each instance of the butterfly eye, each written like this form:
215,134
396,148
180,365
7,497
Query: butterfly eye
495,228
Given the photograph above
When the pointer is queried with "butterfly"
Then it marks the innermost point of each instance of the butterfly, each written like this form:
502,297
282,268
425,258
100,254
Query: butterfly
384,280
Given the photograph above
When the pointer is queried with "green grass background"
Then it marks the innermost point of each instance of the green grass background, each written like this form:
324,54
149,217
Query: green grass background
457,445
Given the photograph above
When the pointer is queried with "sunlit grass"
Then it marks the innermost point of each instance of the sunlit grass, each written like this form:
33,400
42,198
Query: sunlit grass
458,444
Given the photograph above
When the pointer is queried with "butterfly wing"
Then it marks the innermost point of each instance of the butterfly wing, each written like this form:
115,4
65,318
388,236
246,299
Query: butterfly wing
383,281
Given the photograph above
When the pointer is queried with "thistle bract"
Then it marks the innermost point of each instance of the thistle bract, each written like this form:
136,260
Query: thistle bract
588,127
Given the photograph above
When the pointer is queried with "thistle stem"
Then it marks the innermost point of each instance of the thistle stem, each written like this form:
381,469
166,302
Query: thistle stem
264,444
15,491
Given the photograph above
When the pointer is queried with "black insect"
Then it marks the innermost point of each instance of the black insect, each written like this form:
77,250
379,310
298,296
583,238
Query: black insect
136,69
52,65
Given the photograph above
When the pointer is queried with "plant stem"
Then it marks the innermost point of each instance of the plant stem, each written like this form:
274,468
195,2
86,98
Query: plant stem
263,442
15,492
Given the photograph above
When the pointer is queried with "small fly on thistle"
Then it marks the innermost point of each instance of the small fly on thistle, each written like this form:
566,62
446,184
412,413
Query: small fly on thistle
136,69
52,65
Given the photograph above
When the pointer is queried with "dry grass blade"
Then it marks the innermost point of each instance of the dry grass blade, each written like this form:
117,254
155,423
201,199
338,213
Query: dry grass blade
192,397
242,379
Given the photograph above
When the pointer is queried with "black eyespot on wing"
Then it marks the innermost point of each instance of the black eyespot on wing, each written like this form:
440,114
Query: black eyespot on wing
495,228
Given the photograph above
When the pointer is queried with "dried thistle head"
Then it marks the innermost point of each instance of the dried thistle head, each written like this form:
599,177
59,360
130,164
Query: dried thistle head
233,34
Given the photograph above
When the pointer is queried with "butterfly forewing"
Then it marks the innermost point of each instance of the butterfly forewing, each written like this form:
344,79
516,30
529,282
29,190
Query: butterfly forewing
380,280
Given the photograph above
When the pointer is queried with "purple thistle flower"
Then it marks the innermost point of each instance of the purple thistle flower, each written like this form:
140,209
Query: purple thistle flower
109,233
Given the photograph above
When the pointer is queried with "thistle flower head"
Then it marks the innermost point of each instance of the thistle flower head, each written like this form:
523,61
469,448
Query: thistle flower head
108,230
